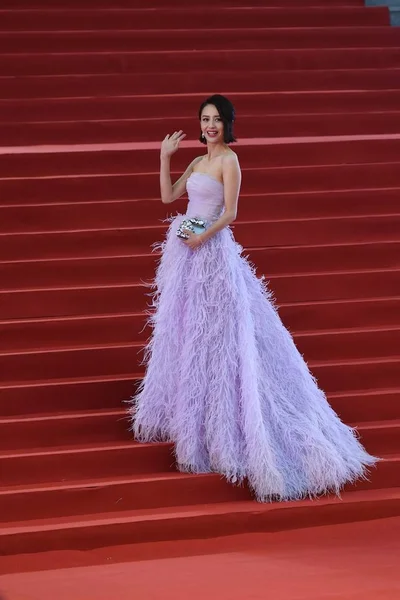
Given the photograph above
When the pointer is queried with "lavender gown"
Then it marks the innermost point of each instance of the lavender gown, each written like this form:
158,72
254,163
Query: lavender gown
224,380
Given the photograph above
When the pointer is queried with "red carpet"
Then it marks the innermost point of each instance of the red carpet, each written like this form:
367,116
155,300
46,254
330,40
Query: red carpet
356,561
87,90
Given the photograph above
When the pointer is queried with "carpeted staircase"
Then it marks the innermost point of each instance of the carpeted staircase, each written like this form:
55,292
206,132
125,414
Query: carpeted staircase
88,88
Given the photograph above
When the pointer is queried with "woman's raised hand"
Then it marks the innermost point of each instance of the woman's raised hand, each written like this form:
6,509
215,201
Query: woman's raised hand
170,143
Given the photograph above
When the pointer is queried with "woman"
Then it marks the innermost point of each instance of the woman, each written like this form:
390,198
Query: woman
224,380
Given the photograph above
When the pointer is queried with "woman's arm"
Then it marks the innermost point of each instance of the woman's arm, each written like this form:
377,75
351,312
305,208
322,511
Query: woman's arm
169,146
232,178
169,192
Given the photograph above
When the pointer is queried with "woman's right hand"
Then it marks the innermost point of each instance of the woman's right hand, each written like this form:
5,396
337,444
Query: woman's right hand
170,143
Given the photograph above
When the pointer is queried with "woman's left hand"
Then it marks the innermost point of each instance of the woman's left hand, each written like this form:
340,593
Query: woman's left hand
194,241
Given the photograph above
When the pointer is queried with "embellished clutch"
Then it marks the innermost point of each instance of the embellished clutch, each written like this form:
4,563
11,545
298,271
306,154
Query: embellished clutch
193,224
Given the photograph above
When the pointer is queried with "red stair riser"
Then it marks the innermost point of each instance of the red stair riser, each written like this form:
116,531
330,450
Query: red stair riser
34,434
129,496
269,60
194,18
312,258
183,83
184,106
99,395
106,428
74,363
275,180
338,346
158,458
189,39
334,286
375,405
352,314
385,474
129,460
381,441
110,361
127,213
339,378
315,345
139,161
49,4
74,301
16,336
319,346
71,396
20,335
201,526
128,297
270,233
68,132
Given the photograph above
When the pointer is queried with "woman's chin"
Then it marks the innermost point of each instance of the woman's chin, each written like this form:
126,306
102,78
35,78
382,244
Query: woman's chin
214,140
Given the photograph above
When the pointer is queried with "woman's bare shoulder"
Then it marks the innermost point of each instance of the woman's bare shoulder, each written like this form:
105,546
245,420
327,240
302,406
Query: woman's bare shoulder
231,161
231,155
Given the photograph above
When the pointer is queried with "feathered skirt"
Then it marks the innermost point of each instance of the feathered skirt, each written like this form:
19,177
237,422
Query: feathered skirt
226,384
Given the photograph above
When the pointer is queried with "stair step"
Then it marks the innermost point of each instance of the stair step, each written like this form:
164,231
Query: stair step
110,359
77,63
381,438
24,503
48,4
123,213
107,292
182,106
126,268
347,317
149,491
190,17
142,160
347,375
20,338
61,464
97,427
92,531
374,312
129,130
93,427
74,361
107,393
228,82
270,261
349,344
309,179
136,240
376,404
81,394
112,40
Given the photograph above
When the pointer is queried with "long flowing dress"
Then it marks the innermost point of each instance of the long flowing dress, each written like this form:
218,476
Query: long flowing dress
224,380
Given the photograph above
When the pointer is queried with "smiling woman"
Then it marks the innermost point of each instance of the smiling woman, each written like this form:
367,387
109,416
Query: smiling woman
216,120
224,380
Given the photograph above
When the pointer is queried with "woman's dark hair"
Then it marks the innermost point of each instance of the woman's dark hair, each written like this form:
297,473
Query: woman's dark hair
226,111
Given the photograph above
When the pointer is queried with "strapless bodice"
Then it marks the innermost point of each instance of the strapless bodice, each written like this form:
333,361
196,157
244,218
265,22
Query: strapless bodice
206,196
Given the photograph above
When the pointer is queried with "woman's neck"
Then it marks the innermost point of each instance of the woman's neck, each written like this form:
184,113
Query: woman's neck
214,151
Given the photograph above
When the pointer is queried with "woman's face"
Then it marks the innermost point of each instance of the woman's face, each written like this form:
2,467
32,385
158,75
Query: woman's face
211,125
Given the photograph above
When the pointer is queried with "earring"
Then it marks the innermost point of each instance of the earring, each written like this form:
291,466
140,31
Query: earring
203,137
